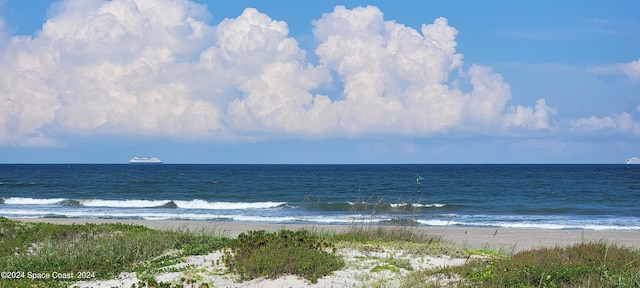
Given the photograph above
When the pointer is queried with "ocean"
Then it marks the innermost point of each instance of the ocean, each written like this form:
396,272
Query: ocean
600,197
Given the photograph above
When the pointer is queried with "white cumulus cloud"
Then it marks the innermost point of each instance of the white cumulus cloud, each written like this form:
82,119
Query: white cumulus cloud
622,122
156,68
538,117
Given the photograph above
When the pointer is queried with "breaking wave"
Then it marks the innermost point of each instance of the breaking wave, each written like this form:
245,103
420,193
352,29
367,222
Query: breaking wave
137,203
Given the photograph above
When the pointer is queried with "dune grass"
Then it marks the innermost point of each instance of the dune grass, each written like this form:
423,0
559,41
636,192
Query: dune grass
49,255
593,264
102,251
407,238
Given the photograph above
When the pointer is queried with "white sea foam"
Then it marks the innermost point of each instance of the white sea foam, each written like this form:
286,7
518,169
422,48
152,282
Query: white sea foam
401,205
191,204
435,222
32,201
337,219
202,204
183,216
436,205
568,225
312,219
264,218
123,203
17,207
397,205
30,213
529,225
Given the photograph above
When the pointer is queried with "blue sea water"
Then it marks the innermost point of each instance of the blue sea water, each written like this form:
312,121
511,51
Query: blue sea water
603,197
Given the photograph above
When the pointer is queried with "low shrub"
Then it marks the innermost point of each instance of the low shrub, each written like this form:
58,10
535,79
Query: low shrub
273,254
581,265
101,250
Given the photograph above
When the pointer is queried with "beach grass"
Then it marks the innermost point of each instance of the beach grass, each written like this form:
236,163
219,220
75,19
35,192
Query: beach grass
592,264
47,255
595,264
103,251
407,238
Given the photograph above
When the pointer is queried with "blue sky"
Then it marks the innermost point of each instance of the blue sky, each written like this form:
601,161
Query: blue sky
319,81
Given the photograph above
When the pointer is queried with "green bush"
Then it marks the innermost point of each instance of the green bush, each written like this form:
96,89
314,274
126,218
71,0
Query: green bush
273,254
104,250
581,265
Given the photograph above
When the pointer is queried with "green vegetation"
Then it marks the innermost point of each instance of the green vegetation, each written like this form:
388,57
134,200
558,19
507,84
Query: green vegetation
409,239
105,250
43,254
364,234
581,265
259,253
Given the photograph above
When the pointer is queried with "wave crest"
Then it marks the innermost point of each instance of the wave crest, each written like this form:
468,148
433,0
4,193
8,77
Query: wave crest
202,204
140,203
32,201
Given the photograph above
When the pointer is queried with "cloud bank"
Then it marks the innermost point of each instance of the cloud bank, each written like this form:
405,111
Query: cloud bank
630,70
156,68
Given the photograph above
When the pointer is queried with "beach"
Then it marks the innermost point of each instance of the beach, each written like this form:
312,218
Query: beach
360,269
506,239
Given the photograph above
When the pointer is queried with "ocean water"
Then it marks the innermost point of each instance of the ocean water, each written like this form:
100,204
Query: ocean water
603,197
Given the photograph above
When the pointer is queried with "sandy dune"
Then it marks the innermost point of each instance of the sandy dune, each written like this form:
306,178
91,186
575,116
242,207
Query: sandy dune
358,269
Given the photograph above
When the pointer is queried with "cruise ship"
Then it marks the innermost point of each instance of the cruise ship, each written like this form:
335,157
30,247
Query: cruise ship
633,160
145,160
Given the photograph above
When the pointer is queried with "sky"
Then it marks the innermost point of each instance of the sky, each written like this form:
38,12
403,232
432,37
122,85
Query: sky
93,81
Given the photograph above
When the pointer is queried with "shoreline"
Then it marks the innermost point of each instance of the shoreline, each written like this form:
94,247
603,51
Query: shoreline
502,239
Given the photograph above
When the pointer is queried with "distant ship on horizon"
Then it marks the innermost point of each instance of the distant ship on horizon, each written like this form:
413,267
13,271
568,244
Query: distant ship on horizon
145,160
633,160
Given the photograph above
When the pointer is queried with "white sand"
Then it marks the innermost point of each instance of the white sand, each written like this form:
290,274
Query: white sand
511,239
357,271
